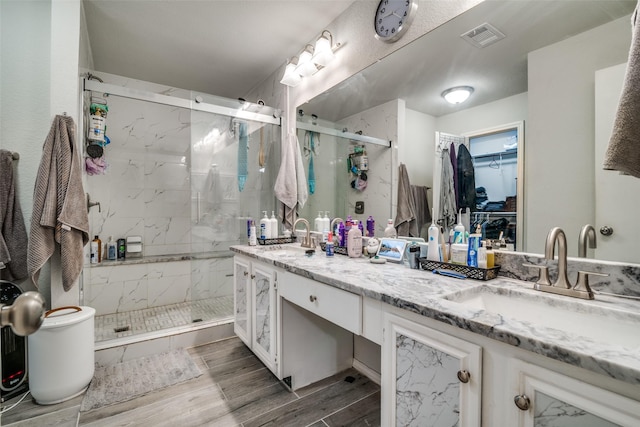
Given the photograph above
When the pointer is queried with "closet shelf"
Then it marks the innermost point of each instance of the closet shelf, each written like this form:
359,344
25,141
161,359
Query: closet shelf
497,153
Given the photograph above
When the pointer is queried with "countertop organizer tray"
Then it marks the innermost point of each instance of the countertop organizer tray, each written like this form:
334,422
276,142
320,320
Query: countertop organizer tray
277,240
471,272
342,250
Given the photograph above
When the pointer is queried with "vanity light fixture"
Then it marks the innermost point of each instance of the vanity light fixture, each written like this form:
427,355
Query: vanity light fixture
458,94
291,76
311,60
323,51
306,67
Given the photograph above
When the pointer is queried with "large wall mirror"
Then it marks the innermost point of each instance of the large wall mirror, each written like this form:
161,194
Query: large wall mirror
542,73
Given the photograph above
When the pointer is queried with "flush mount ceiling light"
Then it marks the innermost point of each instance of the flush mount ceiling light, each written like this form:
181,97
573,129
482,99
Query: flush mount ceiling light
291,76
305,66
458,94
323,51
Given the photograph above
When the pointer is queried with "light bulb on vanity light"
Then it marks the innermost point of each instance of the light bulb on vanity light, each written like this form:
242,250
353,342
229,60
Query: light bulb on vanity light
291,76
323,52
305,66
458,94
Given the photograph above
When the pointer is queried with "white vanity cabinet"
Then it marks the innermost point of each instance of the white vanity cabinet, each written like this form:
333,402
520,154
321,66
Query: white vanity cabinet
428,378
546,398
255,311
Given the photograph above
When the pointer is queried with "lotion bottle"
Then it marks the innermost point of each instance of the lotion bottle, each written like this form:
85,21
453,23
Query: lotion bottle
265,227
434,253
390,231
112,252
354,241
252,233
274,225
326,224
318,223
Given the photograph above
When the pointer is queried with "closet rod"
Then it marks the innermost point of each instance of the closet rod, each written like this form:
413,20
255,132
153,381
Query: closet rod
341,134
497,153
141,95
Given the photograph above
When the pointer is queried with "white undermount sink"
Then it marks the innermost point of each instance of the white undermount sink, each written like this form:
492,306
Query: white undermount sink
289,250
572,315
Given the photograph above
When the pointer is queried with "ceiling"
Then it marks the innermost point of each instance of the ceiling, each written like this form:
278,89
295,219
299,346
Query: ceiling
219,47
420,71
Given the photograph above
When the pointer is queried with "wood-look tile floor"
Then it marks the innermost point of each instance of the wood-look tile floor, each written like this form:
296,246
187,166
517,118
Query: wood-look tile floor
235,389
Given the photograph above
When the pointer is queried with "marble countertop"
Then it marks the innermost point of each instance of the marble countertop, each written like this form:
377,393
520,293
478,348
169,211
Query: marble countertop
430,295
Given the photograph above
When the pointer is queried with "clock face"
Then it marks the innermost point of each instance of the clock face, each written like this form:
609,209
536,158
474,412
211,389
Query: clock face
393,18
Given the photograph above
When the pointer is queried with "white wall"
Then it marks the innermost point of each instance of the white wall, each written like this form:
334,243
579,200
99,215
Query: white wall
418,150
559,152
38,79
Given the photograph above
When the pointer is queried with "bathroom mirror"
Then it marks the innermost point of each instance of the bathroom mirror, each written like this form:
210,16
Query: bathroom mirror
542,72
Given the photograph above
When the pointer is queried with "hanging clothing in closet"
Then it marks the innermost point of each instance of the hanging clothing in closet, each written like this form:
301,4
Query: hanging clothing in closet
466,190
447,212
13,233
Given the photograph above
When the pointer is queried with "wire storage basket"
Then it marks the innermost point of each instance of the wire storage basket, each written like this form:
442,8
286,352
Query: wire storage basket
277,241
471,272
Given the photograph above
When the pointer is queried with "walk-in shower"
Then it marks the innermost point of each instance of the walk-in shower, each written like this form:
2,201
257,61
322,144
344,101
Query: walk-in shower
184,171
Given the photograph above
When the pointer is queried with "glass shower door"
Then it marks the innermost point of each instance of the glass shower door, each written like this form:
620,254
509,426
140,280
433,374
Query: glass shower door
233,168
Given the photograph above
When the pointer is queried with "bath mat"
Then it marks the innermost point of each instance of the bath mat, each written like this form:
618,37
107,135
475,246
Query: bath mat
134,378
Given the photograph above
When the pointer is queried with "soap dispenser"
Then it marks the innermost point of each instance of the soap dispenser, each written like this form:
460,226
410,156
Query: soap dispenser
318,223
265,227
274,225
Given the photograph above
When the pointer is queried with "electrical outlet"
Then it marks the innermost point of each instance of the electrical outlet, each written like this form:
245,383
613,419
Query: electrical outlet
360,207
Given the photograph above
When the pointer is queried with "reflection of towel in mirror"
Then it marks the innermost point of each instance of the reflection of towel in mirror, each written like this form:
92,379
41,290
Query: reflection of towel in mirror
623,152
59,206
423,214
291,184
13,233
447,207
405,223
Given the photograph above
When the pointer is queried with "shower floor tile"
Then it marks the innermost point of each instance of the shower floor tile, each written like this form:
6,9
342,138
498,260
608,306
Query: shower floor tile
135,322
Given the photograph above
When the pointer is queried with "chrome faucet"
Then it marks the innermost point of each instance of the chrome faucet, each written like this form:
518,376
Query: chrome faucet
562,285
307,242
588,233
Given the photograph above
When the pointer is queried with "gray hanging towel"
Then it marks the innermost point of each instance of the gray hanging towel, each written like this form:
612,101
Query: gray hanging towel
423,214
59,206
623,152
13,233
405,223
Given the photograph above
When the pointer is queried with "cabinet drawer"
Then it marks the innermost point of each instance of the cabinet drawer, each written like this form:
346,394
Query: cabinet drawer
335,305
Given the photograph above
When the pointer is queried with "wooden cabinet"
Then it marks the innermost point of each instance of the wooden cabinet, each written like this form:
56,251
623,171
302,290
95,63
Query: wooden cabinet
255,312
428,378
546,398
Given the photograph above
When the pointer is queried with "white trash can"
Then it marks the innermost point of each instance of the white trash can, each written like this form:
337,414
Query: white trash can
61,355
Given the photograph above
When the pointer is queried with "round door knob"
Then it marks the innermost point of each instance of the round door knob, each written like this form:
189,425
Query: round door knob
522,402
605,230
313,298
464,376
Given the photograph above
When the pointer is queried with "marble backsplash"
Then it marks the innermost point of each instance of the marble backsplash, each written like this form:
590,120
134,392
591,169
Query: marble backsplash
622,279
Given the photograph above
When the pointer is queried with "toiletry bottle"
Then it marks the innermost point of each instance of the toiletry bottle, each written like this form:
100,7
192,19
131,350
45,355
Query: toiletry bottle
99,252
318,223
472,251
342,234
371,226
274,225
265,226
482,256
252,233
414,255
329,245
93,259
112,252
122,248
491,257
361,227
434,253
326,224
458,230
348,224
354,242
390,231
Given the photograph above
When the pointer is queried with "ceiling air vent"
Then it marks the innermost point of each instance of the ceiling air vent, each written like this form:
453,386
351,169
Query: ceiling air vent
483,35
